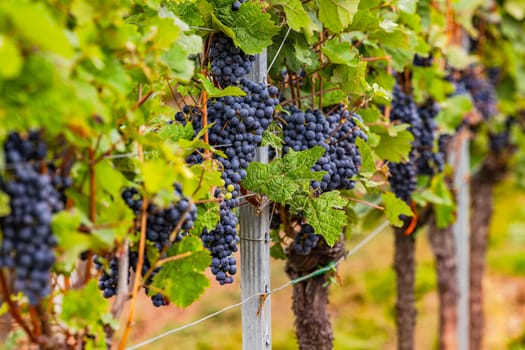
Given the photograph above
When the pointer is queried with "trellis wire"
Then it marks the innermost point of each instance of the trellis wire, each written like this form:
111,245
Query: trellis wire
320,271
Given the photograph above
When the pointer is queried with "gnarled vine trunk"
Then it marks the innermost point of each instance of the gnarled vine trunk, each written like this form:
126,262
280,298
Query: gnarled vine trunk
310,297
483,183
404,265
444,248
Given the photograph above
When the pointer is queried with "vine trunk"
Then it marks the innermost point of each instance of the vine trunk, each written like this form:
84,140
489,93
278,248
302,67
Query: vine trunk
483,183
444,248
310,297
404,265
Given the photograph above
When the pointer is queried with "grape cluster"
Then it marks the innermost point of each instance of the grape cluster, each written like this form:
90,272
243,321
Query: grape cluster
229,64
482,91
107,282
239,122
27,240
499,141
160,225
420,61
236,5
222,243
428,161
403,176
305,240
336,134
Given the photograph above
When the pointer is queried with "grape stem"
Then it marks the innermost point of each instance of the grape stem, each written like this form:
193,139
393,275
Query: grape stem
375,206
13,310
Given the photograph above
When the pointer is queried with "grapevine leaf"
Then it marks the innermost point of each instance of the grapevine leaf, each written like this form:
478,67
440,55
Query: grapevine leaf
5,209
158,176
452,112
10,59
326,215
352,79
458,57
109,178
337,14
83,308
206,177
368,166
176,131
176,58
70,242
341,52
408,6
207,217
445,210
284,177
394,207
250,27
272,140
212,91
36,24
296,16
394,148
182,280
182,287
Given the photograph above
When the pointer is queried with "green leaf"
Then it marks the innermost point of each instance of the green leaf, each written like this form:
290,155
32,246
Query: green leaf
108,178
250,28
212,91
394,207
445,209
368,166
284,177
158,176
515,8
177,60
182,281
36,24
206,177
5,208
393,146
336,15
452,112
176,131
296,16
326,215
71,243
352,79
10,59
341,52
458,57
207,218
83,308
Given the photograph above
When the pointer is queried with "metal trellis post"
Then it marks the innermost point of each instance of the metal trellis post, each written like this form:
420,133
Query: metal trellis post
255,257
460,158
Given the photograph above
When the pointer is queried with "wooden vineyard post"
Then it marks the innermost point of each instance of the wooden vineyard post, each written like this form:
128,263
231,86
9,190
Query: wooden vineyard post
459,157
255,257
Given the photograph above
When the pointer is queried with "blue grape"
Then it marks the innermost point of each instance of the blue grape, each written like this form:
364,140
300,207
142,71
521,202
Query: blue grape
27,240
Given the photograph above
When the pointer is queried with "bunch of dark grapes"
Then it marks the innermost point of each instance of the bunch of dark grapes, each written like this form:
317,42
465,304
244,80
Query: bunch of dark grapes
236,5
229,64
239,122
428,161
108,280
222,243
336,134
27,240
161,223
403,176
303,130
420,61
499,141
482,91
305,240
